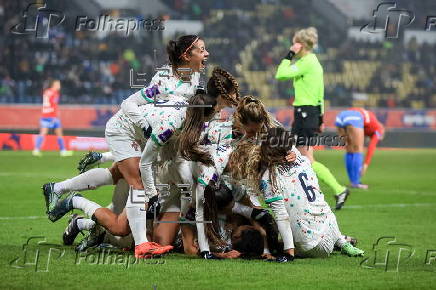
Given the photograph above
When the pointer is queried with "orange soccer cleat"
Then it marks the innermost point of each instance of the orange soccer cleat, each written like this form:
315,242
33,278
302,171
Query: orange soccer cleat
145,250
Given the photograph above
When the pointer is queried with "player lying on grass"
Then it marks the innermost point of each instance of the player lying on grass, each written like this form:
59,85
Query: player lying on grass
165,120
242,236
305,221
355,124
252,113
122,150
124,130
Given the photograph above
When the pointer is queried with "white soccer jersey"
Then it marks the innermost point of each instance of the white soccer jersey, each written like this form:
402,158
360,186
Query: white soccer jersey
161,121
164,86
298,188
216,138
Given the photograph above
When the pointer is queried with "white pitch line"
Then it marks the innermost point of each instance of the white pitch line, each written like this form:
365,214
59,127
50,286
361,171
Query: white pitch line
33,217
349,206
24,174
387,205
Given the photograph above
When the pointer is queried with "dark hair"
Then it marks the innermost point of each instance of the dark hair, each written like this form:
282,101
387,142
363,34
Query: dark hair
250,244
222,83
211,214
194,122
176,48
223,196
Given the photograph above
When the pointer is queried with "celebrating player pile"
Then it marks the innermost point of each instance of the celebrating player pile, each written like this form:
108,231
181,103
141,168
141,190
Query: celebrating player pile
209,172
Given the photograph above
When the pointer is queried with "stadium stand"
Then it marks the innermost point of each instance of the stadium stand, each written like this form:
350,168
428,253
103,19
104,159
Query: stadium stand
246,37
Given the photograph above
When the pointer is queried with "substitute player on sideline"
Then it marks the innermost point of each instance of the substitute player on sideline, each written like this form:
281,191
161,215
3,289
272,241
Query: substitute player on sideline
307,75
355,124
50,118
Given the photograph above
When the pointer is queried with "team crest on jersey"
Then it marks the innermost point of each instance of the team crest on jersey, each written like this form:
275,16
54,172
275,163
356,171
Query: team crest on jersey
152,92
166,135
135,146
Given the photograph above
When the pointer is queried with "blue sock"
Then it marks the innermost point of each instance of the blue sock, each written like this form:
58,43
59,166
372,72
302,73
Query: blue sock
39,141
349,165
357,166
61,143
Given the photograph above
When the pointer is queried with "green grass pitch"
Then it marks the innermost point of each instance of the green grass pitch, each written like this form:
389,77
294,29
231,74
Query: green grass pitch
400,203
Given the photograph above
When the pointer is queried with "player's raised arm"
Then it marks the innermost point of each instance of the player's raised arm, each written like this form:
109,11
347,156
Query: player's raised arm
286,70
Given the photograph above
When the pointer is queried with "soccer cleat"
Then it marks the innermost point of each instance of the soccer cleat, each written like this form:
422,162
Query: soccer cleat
284,258
150,248
62,207
351,251
72,230
89,161
206,255
36,153
51,197
92,239
66,153
359,186
341,198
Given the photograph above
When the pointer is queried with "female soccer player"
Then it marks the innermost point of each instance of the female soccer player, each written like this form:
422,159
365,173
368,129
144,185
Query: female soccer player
188,52
120,133
307,75
355,124
249,121
305,221
50,118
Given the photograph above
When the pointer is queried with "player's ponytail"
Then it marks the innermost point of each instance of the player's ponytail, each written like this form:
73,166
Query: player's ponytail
193,125
223,84
211,214
252,110
245,163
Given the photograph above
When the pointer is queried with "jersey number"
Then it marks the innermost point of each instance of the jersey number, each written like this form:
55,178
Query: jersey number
309,190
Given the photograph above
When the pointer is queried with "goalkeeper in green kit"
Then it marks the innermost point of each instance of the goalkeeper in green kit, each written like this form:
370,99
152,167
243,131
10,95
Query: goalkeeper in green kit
307,75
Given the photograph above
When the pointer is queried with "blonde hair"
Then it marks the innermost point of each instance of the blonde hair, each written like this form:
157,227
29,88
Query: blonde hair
308,37
252,110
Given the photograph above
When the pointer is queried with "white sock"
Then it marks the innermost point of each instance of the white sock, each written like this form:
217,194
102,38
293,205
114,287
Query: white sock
85,224
87,206
341,242
203,242
243,210
107,156
137,215
88,180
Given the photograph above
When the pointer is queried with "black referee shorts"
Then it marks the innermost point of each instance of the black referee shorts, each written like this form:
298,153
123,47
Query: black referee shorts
307,122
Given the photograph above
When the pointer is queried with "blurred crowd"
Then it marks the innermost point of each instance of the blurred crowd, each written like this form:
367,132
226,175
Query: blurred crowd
241,37
92,68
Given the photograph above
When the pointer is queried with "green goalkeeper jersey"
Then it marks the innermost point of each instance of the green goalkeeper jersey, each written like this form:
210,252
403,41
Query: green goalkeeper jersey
307,74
